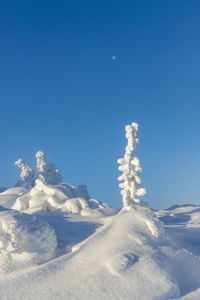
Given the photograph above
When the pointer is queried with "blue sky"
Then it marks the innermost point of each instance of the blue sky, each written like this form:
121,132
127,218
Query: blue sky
61,92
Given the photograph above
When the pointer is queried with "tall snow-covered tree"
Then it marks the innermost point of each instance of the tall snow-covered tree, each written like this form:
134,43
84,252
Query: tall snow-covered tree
46,170
27,174
130,166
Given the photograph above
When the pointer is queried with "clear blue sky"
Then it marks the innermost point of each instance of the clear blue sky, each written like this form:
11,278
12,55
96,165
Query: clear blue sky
61,92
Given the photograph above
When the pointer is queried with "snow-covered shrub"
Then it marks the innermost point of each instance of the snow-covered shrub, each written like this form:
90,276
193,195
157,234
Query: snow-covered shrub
49,193
130,166
46,170
91,207
70,198
27,174
24,239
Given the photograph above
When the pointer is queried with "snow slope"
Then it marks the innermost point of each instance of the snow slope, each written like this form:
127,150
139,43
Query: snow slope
125,256
182,225
58,243
24,240
9,196
105,265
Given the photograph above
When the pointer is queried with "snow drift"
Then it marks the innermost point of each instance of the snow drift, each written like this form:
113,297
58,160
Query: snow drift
24,240
125,256
74,199
46,192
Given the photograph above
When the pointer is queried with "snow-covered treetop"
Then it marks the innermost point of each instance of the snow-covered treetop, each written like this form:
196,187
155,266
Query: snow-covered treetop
27,174
46,170
130,165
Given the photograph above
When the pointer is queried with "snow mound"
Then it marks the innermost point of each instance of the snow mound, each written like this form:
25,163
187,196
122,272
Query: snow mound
123,259
125,256
73,199
187,215
90,207
41,189
9,196
24,240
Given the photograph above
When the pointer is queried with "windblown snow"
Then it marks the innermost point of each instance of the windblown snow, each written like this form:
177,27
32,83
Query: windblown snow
56,242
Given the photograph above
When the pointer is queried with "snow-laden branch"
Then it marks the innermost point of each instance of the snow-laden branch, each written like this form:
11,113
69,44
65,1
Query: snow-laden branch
130,166
46,170
27,174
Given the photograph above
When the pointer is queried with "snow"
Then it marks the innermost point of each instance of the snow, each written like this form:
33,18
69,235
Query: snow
47,171
130,254
27,174
73,199
9,196
130,166
57,242
43,190
24,240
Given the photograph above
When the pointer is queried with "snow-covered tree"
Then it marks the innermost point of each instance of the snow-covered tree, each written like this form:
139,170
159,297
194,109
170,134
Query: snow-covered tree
130,166
46,170
27,174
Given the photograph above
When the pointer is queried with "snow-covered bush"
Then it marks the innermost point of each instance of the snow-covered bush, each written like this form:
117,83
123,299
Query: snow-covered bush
48,193
130,165
46,170
27,174
70,198
91,207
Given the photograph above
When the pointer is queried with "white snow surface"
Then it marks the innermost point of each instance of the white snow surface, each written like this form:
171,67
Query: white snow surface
64,245
24,240
73,199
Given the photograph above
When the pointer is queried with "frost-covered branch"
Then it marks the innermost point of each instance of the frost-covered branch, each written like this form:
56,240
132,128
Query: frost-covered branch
46,170
130,166
27,174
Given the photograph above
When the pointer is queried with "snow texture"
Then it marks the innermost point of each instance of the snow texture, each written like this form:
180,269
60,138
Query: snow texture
129,255
46,170
46,192
74,199
9,196
130,166
27,174
24,240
